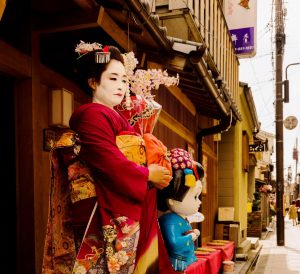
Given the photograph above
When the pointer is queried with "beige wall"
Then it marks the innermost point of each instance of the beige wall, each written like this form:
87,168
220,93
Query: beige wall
233,181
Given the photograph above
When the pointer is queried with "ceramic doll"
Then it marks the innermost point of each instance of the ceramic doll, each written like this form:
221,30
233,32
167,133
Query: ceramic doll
180,201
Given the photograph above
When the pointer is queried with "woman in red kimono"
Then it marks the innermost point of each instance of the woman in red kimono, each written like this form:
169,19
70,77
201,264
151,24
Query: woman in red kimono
94,228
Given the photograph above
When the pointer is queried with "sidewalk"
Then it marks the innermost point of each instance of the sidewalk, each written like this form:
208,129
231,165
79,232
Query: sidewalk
279,259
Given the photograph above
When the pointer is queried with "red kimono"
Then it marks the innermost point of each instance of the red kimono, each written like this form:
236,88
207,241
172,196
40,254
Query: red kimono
94,220
100,229
121,184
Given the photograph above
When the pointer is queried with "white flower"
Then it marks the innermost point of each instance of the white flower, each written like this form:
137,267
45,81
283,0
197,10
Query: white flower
142,82
126,229
122,257
130,62
121,219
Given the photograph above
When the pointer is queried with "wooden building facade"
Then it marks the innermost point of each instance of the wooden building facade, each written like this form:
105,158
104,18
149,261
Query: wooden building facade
37,41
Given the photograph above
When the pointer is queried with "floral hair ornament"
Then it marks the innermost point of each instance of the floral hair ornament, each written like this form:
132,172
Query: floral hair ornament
130,63
180,159
102,54
139,106
141,82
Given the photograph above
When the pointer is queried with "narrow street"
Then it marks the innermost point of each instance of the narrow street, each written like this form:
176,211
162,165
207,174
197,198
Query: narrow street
280,259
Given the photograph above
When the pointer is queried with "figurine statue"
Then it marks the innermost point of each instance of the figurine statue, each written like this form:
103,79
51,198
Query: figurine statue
180,203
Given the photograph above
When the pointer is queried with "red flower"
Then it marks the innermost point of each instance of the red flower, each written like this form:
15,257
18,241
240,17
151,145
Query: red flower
106,49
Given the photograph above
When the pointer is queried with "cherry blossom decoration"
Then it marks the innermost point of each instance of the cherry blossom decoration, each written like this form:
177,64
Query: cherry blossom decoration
142,82
140,108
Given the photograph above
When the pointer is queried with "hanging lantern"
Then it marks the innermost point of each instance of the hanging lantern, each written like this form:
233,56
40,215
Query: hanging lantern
62,105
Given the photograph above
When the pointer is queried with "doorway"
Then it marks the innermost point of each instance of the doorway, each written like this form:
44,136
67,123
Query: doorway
8,174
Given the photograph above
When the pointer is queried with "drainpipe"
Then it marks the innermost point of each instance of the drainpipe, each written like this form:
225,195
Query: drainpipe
197,61
141,11
224,125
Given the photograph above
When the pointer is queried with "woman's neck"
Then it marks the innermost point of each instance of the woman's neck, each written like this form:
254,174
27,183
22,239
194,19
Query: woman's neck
95,100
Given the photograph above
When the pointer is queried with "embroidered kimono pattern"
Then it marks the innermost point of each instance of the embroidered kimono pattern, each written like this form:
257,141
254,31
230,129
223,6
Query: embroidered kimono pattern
111,249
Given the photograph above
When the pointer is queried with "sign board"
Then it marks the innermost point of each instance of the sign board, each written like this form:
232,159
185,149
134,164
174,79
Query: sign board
241,17
225,213
256,147
290,122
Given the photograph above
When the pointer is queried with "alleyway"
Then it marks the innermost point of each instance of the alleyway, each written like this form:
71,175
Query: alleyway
280,259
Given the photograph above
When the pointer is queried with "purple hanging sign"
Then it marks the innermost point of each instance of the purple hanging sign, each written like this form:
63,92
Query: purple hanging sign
243,40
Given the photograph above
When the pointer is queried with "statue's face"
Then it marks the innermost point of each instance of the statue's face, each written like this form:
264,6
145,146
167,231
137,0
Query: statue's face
190,204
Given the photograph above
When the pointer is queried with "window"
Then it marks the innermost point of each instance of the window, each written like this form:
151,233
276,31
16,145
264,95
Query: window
245,151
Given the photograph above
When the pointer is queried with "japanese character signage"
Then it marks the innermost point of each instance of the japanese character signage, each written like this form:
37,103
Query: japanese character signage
241,20
257,147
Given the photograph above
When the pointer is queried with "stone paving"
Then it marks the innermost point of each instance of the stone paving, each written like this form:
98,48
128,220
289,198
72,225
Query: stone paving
279,259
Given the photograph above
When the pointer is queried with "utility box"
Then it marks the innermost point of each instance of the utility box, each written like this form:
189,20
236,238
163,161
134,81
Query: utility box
225,214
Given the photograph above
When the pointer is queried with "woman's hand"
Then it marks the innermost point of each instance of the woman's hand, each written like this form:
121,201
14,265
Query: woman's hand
159,176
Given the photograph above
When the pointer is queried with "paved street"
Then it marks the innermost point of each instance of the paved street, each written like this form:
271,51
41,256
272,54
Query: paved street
280,259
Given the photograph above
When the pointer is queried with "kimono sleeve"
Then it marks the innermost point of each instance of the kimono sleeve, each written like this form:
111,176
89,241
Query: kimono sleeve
97,132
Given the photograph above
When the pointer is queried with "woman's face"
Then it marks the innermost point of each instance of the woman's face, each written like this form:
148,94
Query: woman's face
113,84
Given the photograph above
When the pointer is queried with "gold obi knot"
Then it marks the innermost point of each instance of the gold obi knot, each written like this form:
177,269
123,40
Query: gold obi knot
133,148
81,182
66,139
82,189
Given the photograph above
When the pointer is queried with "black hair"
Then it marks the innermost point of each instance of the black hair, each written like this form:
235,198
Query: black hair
177,189
86,68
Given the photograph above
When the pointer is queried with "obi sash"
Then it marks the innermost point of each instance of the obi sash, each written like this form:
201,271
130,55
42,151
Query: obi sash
111,248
